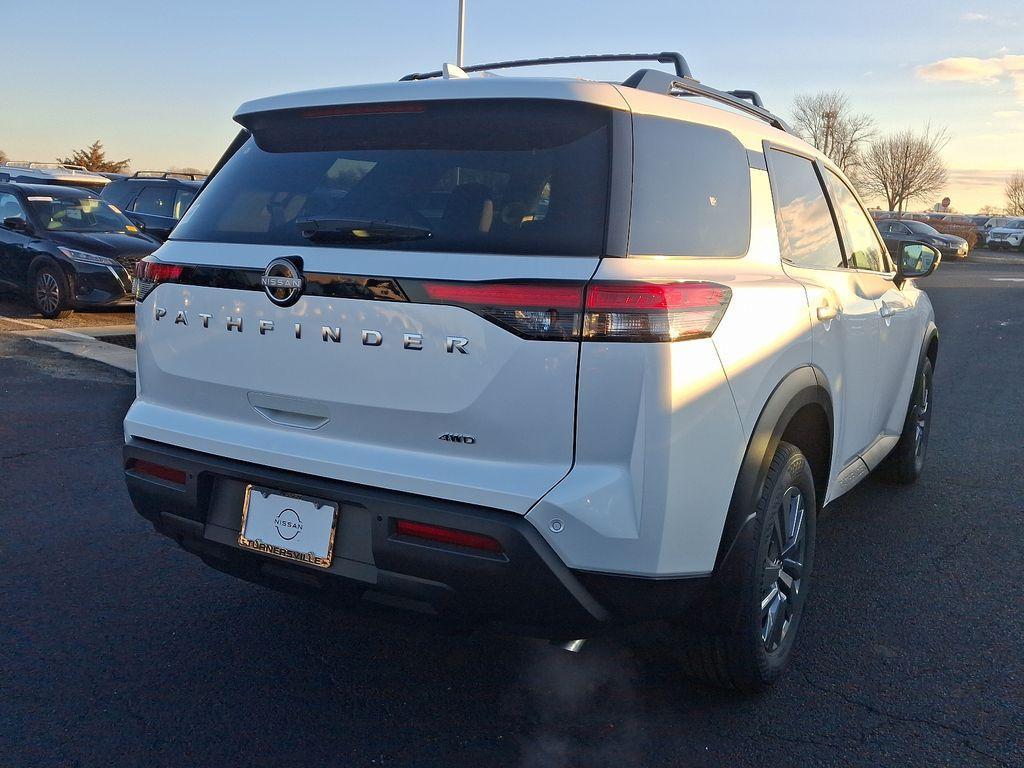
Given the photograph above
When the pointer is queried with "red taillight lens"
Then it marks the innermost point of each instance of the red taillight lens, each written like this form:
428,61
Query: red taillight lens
149,274
638,311
531,309
159,471
443,535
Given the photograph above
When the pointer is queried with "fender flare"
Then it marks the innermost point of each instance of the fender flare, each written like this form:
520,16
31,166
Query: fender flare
801,387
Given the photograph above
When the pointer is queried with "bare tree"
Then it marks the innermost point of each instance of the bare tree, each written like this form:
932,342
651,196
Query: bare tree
3,156
1015,194
991,210
827,121
904,165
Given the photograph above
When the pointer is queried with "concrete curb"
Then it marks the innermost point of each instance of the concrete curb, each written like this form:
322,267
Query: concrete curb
84,345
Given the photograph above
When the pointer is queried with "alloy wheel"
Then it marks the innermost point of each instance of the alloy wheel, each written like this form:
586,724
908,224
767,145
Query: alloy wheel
47,292
783,568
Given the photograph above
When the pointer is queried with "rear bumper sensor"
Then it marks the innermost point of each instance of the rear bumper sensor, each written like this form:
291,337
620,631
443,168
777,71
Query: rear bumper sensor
470,566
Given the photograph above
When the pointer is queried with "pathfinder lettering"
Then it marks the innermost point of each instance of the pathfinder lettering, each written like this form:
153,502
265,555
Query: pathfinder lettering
368,337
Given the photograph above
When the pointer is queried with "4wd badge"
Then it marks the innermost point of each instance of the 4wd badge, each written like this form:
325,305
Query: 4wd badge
450,437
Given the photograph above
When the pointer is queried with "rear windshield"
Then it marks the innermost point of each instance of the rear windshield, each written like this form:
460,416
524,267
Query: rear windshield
486,176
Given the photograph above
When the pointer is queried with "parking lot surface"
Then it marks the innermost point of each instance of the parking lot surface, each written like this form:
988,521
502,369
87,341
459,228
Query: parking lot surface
116,648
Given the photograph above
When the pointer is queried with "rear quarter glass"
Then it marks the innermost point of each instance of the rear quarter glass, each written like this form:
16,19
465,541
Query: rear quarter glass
487,176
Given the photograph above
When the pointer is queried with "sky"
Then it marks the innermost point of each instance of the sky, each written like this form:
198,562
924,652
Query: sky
158,83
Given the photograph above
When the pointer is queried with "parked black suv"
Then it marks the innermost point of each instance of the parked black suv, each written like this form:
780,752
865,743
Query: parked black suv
157,198
67,248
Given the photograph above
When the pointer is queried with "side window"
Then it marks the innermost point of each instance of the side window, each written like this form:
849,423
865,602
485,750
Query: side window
807,233
10,208
182,200
155,201
691,190
863,249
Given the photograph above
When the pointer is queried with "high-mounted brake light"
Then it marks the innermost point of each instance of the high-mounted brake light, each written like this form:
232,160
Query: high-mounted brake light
149,274
644,312
441,535
346,110
538,309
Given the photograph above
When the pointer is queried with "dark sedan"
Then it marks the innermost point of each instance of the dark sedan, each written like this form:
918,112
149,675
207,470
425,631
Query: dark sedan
66,248
893,231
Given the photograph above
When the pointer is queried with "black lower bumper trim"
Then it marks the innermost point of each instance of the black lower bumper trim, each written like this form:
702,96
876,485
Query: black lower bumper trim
526,589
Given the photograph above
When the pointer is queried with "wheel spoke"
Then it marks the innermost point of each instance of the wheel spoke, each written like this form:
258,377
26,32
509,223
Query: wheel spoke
794,569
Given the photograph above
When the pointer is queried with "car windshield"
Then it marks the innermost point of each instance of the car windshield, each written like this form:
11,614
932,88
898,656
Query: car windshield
921,228
78,213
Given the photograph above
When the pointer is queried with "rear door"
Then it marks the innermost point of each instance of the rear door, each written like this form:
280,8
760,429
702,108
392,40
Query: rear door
844,316
434,345
14,252
155,207
901,330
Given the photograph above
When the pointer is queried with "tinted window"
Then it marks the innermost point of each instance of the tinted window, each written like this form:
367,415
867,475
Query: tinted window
182,200
155,201
494,176
807,234
119,193
863,249
691,190
10,208
921,228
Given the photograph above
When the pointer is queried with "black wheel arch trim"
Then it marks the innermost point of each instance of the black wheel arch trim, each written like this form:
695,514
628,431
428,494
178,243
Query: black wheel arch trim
801,387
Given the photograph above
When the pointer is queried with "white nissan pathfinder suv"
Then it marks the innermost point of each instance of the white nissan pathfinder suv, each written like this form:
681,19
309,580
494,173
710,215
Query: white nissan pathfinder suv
542,355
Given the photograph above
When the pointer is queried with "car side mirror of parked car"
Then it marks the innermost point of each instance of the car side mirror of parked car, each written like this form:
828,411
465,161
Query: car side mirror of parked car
139,223
17,224
916,260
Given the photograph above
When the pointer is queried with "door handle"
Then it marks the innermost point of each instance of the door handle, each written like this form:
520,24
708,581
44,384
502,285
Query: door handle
827,312
886,310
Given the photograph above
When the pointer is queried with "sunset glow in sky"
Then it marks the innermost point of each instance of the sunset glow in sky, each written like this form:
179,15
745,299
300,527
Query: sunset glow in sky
158,84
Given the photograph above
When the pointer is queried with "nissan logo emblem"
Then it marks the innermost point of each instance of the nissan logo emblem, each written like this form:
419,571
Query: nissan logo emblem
283,282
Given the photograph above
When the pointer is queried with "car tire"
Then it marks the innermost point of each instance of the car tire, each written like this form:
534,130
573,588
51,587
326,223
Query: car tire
907,459
50,292
752,631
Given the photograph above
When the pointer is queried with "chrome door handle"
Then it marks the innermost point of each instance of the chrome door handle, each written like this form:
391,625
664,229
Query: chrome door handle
886,311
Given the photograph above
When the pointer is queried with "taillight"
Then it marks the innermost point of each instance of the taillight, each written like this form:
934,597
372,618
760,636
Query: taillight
612,311
655,311
549,310
442,535
149,274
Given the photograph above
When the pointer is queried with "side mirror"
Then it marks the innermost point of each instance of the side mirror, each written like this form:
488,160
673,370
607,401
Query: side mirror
139,223
16,223
916,260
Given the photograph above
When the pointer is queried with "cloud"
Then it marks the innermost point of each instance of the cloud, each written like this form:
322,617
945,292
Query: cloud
972,16
970,69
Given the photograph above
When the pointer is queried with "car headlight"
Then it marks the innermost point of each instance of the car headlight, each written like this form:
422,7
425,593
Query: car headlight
85,257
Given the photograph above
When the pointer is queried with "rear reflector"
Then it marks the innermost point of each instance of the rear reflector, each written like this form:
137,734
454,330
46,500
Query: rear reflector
149,274
447,536
644,312
159,471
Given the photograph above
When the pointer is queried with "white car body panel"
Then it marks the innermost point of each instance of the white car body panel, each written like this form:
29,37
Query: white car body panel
624,456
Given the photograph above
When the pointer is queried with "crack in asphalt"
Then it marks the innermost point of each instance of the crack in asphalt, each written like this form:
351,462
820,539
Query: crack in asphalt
887,715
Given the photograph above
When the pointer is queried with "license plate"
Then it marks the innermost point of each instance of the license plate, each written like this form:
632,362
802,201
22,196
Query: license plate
288,526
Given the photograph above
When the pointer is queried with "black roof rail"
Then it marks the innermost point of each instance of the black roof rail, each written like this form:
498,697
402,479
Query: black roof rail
748,102
665,57
167,175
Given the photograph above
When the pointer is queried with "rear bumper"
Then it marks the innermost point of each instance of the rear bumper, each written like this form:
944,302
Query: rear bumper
525,590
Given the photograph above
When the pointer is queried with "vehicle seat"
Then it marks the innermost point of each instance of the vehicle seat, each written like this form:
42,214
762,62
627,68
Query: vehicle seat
469,209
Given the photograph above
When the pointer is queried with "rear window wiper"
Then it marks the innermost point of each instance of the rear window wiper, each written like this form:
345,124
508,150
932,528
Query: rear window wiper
359,230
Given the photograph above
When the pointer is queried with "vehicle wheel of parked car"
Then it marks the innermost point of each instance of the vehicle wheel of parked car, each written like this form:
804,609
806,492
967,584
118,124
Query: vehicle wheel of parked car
772,589
50,292
907,459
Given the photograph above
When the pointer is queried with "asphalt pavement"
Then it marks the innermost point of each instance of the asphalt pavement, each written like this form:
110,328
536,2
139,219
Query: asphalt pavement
118,649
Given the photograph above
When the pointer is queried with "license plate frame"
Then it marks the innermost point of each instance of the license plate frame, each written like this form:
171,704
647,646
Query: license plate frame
311,506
